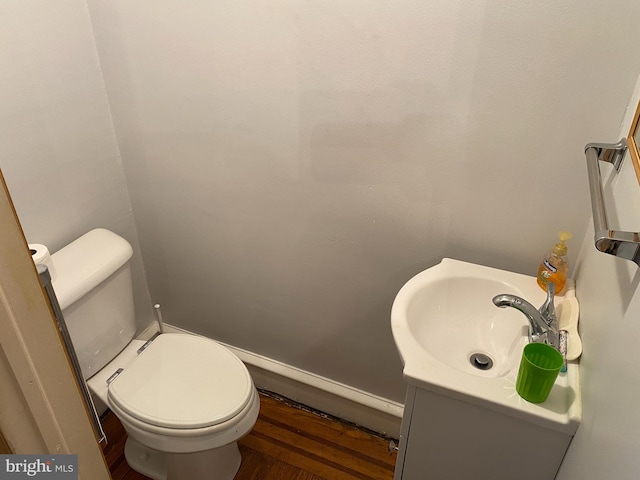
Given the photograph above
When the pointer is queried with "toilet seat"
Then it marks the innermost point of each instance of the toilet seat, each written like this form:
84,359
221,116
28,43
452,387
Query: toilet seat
182,382
180,440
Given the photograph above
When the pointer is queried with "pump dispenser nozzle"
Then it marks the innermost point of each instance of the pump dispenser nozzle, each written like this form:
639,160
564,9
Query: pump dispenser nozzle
561,247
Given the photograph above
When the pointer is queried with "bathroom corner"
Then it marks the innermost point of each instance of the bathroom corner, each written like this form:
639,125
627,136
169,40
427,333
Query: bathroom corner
281,170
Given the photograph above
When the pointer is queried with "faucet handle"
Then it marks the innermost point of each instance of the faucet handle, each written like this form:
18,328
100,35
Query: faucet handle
551,289
548,310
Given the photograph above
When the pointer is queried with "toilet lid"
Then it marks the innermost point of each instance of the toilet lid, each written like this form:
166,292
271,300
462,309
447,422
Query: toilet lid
183,381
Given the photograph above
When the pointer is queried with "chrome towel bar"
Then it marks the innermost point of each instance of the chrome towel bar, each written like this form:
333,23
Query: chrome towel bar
620,244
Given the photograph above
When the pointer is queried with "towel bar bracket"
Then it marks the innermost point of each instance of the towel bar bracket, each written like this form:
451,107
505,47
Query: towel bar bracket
617,243
612,153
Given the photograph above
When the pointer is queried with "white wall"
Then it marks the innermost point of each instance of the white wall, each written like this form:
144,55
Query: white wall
313,160
273,163
607,443
292,164
58,150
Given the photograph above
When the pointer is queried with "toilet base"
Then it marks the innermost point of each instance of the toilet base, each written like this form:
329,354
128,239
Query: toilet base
220,463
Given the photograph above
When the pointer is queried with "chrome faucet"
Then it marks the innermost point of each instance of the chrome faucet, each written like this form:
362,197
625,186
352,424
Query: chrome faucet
543,322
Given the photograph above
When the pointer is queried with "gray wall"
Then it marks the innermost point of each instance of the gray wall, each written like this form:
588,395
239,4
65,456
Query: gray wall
292,164
607,443
58,150
289,241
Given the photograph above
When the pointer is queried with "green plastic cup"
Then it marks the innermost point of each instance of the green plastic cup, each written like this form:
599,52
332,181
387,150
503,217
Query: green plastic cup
538,371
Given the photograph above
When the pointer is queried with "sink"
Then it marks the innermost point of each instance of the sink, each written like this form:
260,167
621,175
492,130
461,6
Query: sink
444,317
453,318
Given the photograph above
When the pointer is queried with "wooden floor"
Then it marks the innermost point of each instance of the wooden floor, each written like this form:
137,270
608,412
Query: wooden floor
287,443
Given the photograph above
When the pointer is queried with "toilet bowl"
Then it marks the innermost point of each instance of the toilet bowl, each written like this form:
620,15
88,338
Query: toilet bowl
184,400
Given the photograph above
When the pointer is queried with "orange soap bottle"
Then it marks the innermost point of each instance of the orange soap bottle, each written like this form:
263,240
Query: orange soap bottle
554,266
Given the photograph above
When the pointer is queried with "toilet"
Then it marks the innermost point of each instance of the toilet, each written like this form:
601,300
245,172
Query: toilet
184,400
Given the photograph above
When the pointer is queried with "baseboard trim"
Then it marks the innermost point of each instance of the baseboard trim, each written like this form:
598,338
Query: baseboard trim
321,393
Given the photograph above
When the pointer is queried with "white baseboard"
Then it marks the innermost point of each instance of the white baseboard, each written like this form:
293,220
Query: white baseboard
335,398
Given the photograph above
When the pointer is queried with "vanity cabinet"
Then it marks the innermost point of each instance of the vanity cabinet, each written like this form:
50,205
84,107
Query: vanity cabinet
448,438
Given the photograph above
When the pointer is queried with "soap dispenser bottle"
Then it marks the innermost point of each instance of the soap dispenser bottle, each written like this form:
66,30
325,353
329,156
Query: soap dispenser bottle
554,267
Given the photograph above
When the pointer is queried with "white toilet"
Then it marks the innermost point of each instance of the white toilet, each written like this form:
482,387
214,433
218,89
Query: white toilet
184,400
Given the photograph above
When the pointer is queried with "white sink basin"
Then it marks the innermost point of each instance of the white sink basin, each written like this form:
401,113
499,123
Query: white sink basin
445,314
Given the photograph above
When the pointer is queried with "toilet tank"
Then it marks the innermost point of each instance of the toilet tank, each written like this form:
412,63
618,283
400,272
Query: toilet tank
94,290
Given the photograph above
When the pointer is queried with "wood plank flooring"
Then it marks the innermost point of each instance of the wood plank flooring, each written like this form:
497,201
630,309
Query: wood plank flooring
287,443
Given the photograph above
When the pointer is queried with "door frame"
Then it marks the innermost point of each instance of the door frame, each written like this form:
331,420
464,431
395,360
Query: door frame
41,408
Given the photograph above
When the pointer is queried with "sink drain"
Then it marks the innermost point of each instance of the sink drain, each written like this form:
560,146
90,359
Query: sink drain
481,361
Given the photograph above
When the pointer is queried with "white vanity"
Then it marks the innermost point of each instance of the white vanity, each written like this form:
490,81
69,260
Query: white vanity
463,419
